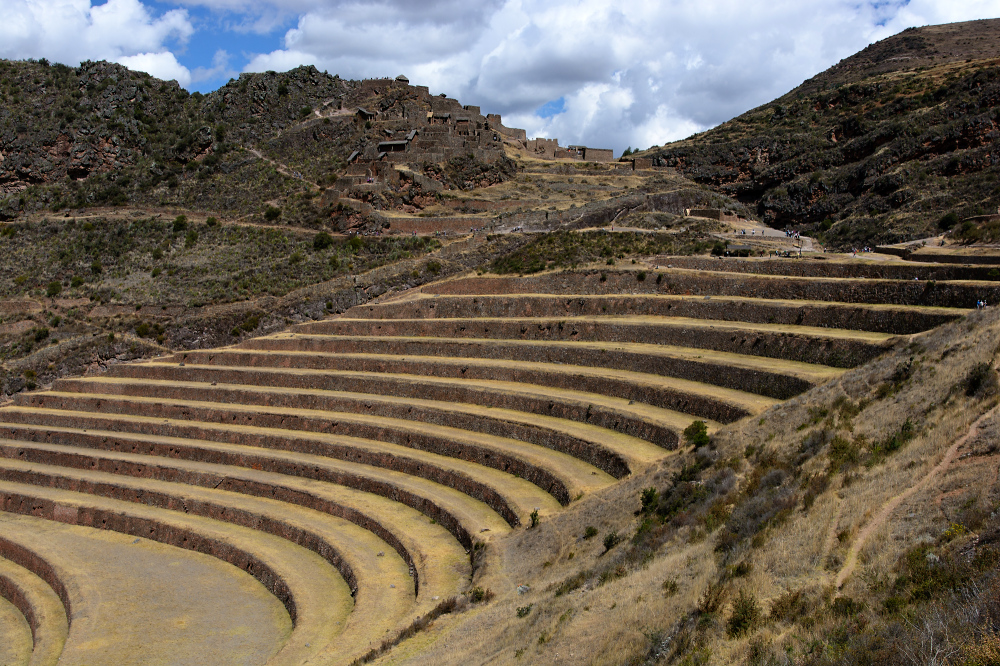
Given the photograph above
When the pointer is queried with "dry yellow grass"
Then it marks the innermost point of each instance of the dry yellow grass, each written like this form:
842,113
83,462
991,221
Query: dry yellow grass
630,619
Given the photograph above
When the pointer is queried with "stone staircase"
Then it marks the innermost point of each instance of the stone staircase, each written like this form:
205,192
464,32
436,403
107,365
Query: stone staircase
355,466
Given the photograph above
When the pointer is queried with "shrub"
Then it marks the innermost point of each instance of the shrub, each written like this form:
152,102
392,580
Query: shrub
746,614
479,595
590,532
789,606
534,518
322,240
76,282
948,221
981,380
880,450
96,268
649,498
212,222
845,607
611,540
712,598
718,249
250,323
843,452
522,611
41,333
641,276
271,213
434,267
180,223
53,289
697,434
191,239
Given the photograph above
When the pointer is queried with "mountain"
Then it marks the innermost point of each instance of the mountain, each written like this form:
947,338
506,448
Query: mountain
102,135
878,148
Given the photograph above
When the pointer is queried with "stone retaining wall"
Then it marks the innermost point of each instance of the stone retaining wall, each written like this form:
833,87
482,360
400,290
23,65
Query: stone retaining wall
590,452
899,320
659,396
598,415
791,345
145,470
889,292
871,270
170,535
282,441
119,443
942,258
217,413
752,380
12,592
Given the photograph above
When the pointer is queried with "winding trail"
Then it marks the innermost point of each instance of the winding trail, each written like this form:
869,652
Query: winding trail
283,168
852,556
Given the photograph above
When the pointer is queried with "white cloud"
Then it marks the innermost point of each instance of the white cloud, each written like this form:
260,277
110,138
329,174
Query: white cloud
70,31
220,68
632,72
161,65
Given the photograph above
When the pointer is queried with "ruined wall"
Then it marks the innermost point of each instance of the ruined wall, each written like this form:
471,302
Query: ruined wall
598,154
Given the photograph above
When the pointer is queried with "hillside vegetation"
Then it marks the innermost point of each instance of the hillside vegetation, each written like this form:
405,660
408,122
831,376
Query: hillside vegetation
877,149
854,524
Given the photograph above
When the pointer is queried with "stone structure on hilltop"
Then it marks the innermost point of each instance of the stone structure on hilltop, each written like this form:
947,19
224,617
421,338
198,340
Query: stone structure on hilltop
413,129
416,127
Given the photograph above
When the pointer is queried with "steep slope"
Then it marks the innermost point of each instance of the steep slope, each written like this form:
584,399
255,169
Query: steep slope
876,149
855,523
101,134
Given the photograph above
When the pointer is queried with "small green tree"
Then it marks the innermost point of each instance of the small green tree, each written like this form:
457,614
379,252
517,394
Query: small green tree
746,614
322,240
696,434
53,289
947,221
649,498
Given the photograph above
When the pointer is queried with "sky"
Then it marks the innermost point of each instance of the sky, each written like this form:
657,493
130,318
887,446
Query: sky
602,73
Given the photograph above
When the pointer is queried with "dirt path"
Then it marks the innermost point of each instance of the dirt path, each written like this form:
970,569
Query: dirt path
879,519
283,168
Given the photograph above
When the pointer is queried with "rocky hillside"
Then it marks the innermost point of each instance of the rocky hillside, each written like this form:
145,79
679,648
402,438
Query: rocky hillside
879,148
102,135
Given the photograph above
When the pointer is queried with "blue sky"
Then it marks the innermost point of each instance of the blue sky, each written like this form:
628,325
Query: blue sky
611,73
